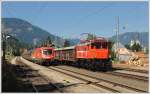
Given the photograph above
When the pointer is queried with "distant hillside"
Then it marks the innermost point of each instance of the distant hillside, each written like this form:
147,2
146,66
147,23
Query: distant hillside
26,32
126,37
73,41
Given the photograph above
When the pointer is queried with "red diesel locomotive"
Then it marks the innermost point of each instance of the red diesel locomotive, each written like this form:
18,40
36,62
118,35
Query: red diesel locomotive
91,54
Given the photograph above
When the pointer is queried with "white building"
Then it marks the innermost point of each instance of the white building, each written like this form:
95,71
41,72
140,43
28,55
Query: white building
133,41
138,42
124,53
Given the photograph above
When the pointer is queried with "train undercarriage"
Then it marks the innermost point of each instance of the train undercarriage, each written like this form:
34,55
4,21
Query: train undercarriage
91,64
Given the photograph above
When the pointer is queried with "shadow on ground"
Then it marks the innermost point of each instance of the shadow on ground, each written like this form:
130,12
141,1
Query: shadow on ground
14,80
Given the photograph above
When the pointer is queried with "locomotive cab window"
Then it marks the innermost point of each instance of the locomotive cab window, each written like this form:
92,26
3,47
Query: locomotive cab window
47,52
99,45
105,45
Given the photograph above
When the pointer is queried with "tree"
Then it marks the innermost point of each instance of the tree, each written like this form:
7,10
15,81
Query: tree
47,42
136,47
127,46
12,46
112,53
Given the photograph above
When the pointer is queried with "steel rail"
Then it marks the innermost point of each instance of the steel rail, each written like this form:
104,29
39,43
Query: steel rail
114,83
130,76
122,85
132,70
87,81
136,70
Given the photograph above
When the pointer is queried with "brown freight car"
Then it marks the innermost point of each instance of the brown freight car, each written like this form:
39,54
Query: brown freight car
65,54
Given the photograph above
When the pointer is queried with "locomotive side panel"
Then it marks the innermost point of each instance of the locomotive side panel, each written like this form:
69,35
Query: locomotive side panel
82,52
92,53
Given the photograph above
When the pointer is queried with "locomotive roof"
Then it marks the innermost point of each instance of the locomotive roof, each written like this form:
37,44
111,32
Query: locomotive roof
83,44
46,47
65,48
89,42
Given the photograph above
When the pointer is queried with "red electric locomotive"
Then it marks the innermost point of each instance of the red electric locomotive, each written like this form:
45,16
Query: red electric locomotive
43,55
92,54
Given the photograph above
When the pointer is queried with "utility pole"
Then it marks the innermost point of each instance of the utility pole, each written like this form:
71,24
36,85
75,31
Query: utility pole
4,46
4,40
117,35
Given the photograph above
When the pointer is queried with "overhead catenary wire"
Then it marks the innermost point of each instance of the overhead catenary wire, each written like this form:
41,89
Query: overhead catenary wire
97,12
89,15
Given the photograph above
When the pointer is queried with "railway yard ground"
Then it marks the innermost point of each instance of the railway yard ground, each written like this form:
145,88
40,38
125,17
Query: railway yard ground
133,64
69,79
143,69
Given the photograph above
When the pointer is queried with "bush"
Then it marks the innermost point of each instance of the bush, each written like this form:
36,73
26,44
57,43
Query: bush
136,47
113,55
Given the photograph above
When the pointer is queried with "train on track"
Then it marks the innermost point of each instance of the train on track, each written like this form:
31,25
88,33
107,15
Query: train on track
91,54
43,54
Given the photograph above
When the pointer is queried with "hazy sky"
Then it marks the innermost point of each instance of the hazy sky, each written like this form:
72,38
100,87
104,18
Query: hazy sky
70,19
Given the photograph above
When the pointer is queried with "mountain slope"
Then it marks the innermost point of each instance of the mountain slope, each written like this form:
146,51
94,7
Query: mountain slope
126,37
26,32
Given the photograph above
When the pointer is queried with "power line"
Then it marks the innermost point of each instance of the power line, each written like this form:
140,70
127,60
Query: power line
99,11
91,14
96,12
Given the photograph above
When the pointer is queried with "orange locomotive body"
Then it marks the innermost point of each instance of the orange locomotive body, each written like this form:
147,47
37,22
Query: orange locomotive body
93,49
43,55
92,54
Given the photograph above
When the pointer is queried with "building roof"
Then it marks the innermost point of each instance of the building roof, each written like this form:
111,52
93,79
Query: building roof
84,44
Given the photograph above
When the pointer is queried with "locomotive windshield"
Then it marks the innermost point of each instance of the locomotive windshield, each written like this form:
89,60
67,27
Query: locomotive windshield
99,45
47,52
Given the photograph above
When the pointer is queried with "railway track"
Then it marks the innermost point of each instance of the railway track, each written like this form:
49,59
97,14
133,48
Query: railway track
100,80
132,70
39,83
136,70
77,75
87,81
127,69
130,76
